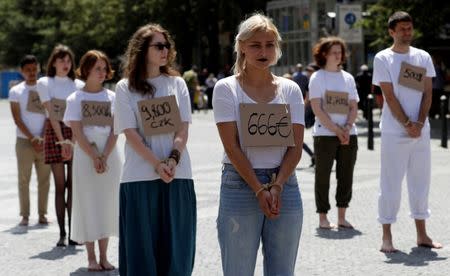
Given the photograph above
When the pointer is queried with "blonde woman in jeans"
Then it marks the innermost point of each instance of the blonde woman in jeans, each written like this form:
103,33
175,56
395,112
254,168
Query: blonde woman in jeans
248,212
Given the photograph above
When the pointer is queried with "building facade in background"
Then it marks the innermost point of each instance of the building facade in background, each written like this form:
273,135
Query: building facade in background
303,22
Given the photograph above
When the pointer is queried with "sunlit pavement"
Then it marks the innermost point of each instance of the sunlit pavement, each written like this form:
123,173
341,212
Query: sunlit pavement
31,250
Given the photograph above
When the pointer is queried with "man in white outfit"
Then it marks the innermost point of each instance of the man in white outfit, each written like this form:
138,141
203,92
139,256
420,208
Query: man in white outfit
404,74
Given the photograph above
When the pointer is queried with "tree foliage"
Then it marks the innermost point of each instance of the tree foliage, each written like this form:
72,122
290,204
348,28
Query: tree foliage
36,26
429,19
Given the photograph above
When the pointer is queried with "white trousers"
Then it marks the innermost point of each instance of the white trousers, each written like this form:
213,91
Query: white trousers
400,156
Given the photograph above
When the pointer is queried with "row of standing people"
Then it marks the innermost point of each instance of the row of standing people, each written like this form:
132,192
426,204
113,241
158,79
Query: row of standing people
156,222
48,116
260,200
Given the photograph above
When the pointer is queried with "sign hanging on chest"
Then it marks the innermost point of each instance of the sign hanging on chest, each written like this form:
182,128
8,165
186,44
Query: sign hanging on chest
96,113
266,125
160,115
412,76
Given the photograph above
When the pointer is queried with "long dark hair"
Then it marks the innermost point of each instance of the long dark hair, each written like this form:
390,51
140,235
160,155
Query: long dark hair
135,66
60,51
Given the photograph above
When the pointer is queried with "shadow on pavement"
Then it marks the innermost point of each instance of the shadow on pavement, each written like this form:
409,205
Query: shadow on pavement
419,256
338,233
57,253
20,230
84,271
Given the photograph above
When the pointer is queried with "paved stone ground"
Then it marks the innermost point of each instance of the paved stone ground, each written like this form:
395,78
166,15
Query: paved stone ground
31,250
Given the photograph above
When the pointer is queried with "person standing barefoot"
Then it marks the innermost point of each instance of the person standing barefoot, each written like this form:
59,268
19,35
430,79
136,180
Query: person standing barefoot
96,162
405,130
158,212
335,133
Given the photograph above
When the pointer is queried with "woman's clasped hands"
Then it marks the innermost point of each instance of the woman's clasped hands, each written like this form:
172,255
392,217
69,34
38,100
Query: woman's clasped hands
269,198
166,169
100,164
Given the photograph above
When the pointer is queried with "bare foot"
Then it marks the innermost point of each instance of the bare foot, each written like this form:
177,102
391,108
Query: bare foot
345,224
43,219
24,221
107,265
94,266
427,242
325,224
388,247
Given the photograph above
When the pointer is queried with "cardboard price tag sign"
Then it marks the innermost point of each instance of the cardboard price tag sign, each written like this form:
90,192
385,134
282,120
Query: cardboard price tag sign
96,113
57,109
266,125
160,115
336,102
412,76
34,103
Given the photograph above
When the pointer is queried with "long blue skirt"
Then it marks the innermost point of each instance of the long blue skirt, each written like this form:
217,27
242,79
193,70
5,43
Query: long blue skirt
157,227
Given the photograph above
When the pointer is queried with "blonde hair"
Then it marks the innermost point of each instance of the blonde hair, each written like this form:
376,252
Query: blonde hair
255,23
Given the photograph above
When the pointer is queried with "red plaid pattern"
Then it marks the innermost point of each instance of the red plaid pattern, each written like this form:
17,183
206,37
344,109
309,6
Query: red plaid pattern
52,151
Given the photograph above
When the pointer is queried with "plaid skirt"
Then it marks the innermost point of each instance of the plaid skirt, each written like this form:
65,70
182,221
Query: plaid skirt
52,151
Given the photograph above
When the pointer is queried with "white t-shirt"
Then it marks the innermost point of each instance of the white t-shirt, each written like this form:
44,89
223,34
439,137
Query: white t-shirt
127,116
227,96
73,108
57,87
386,68
341,81
33,121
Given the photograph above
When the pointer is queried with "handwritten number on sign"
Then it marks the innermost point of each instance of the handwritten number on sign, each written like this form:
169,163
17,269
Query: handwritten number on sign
86,112
36,101
262,126
96,113
156,110
409,74
159,115
96,110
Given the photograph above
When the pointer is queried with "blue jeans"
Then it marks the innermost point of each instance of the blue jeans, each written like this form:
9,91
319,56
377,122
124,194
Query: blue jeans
241,225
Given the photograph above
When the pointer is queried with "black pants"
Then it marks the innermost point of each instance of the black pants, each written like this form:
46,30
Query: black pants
327,149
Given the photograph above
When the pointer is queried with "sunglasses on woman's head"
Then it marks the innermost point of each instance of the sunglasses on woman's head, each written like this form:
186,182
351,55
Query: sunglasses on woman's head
161,46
